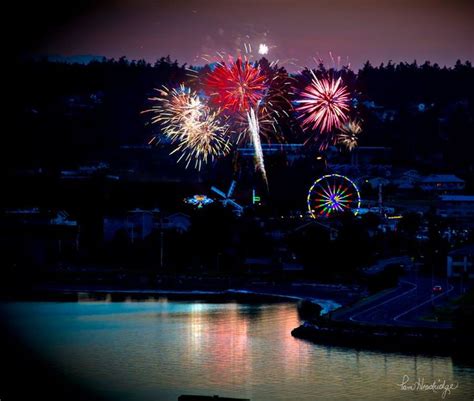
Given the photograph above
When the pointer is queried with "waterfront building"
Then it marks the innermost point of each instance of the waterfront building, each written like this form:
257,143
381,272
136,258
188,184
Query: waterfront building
460,207
460,262
140,223
38,237
444,183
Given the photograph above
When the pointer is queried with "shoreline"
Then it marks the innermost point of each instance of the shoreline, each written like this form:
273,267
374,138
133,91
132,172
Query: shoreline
417,340
414,340
63,293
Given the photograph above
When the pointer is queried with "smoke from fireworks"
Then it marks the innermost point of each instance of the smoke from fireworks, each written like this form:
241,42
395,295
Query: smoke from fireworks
189,122
349,134
324,104
273,108
276,104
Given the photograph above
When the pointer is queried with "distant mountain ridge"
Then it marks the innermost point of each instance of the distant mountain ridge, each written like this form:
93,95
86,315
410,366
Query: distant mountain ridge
75,59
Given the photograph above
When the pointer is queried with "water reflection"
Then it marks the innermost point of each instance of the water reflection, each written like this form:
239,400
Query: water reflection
157,350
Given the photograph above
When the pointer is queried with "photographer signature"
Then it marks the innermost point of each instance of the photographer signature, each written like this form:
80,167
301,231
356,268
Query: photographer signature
420,385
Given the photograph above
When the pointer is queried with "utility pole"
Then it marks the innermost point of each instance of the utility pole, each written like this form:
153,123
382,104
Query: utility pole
432,284
380,200
161,242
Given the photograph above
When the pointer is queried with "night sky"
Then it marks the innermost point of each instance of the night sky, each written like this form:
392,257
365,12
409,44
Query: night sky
295,30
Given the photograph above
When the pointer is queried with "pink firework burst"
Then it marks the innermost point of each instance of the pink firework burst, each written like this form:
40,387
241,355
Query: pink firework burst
324,104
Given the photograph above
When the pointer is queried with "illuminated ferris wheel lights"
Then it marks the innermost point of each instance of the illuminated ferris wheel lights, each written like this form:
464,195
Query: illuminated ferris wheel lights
331,194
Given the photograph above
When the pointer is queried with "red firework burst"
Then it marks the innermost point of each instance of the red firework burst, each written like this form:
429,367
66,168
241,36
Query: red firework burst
324,104
236,86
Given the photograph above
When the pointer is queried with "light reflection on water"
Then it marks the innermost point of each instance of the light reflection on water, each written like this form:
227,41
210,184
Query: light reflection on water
159,350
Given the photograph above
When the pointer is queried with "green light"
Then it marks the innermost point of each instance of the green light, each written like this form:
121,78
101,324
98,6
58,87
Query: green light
255,198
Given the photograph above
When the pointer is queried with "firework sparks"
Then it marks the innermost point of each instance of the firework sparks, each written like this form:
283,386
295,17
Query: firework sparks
255,135
197,131
262,49
174,108
236,86
276,104
349,134
324,104
239,87
205,140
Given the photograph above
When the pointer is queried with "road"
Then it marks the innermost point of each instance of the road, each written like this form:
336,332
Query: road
383,263
403,306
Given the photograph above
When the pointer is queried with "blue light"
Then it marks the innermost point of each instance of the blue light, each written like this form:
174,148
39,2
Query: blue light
199,200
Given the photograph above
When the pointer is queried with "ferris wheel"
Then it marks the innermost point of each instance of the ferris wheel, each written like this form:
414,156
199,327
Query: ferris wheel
333,194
